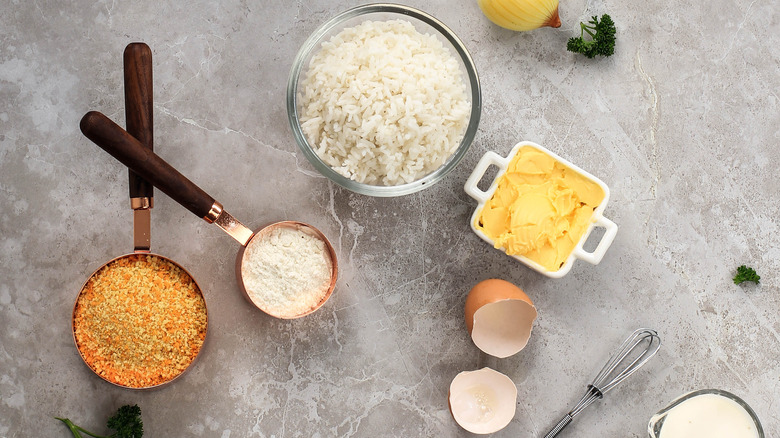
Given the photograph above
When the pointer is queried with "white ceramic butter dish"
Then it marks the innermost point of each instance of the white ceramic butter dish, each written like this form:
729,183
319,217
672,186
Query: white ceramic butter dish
597,219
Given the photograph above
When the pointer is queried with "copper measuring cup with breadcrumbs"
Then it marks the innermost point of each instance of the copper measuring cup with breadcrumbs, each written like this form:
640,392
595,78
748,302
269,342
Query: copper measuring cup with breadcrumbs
140,320
310,253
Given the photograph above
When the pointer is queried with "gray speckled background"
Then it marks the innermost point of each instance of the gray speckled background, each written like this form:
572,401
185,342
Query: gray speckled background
682,123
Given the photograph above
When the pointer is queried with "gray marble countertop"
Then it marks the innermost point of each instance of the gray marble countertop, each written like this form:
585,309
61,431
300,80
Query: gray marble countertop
682,124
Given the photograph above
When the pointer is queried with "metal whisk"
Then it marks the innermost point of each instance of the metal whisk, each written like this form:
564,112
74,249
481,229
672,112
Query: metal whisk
635,351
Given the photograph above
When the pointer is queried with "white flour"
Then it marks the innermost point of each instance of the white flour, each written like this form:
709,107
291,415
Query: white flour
287,271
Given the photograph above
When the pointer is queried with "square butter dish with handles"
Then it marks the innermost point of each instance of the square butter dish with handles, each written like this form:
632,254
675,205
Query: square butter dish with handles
540,209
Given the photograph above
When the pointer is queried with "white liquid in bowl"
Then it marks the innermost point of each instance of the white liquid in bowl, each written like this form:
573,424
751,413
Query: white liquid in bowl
708,416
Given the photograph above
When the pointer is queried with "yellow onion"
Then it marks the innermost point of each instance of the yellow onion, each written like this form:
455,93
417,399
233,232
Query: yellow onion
521,14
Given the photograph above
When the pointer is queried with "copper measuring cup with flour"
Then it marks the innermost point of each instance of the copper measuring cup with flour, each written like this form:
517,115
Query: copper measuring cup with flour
107,330
316,284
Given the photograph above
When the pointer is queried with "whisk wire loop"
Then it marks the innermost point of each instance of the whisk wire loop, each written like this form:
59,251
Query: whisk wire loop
637,349
629,346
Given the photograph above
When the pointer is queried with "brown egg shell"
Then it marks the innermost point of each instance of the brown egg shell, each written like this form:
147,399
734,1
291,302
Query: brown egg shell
507,314
473,389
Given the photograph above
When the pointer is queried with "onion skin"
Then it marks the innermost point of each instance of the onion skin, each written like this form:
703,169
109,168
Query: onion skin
521,15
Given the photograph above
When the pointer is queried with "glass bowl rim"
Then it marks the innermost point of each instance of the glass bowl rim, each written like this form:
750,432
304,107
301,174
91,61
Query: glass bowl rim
657,419
313,42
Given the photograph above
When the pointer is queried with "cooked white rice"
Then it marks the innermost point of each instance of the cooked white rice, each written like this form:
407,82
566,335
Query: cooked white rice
383,104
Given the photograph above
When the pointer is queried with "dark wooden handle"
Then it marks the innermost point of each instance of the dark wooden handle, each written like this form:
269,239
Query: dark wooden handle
124,147
138,108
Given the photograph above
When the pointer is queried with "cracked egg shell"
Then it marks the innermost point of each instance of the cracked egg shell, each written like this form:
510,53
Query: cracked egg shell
482,401
499,317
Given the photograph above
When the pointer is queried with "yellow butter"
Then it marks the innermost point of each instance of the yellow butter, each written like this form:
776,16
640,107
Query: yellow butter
540,209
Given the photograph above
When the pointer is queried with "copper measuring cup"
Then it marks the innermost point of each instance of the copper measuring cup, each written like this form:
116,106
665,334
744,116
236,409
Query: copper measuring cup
92,342
124,147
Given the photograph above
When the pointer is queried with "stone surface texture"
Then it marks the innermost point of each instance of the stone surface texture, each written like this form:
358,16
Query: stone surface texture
682,124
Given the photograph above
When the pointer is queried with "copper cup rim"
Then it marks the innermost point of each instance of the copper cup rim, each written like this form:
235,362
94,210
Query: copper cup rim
296,225
81,290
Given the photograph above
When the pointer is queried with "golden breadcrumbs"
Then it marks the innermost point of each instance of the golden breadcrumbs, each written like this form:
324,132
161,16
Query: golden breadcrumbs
140,321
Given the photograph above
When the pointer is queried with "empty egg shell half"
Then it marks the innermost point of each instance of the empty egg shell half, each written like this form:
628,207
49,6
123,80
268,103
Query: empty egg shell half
499,317
482,401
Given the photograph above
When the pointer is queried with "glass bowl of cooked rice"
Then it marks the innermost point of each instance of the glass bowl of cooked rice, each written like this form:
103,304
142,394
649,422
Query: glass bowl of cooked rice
384,100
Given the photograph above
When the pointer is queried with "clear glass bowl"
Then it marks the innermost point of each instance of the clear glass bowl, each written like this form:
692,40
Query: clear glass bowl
424,23
655,427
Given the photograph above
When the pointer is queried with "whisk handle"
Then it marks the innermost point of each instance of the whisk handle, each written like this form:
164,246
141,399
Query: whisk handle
560,426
